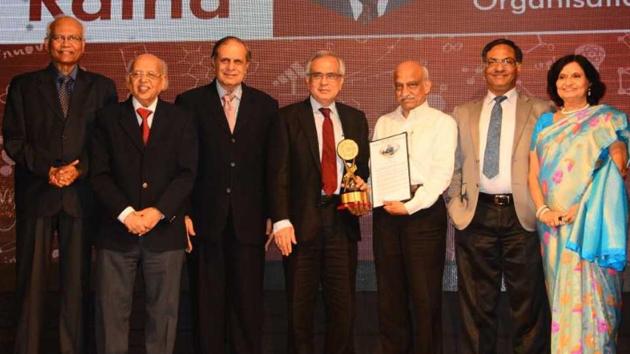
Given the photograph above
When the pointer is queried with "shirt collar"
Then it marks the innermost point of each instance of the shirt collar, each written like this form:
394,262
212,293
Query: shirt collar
414,113
511,96
316,106
137,104
237,93
73,73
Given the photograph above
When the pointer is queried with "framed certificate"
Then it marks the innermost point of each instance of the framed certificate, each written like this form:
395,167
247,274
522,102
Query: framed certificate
389,169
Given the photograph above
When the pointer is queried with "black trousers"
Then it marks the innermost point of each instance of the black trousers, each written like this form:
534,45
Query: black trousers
33,256
409,258
229,295
331,262
496,244
115,276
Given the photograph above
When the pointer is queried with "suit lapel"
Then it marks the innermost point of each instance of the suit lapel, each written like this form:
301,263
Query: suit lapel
48,89
130,125
307,121
79,93
474,125
244,110
522,112
159,125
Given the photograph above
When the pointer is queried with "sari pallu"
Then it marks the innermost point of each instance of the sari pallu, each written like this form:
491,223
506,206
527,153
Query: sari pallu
582,259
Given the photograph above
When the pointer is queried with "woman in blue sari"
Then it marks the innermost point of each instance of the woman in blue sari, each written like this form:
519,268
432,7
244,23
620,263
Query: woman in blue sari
578,162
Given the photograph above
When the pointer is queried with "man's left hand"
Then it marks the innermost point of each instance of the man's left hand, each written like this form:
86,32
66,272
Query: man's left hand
67,174
395,208
150,217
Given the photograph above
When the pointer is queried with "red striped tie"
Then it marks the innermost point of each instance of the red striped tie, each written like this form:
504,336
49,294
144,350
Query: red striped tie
144,113
329,157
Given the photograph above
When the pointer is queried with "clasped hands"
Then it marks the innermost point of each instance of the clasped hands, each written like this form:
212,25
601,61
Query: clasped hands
142,221
555,218
63,176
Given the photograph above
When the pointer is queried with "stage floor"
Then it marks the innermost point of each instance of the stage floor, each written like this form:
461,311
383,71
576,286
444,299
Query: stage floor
366,339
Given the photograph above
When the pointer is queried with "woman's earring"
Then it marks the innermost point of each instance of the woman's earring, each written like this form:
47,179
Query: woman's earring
589,92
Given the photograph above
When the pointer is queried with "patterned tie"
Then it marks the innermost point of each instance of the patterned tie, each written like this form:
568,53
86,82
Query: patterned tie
144,113
329,157
369,11
493,140
230,110
65,92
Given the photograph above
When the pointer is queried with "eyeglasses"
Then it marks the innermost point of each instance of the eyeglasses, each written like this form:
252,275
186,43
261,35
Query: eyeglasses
505,61
329,76
60,38
151,76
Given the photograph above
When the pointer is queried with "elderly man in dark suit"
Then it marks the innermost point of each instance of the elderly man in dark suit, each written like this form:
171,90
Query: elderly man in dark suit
144,161
318,241
229,202
47,126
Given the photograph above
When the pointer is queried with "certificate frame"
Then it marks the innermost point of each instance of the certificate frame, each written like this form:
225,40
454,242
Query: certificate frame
390,176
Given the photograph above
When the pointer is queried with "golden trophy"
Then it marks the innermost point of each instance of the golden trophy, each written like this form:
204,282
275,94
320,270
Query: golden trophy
348,150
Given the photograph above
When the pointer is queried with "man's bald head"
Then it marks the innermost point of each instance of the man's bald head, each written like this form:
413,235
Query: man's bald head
411,81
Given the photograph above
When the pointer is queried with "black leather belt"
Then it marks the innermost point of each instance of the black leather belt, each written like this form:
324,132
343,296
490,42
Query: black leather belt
326,200
500,200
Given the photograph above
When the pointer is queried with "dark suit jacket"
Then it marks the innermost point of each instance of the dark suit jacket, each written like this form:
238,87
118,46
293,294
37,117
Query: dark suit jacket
295,183
232,167
37,137
161,174
343,7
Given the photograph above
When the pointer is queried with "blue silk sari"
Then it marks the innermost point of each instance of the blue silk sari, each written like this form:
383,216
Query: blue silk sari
582,260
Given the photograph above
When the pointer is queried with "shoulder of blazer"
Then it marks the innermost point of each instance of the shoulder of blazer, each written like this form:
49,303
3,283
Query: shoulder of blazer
260,96
348,110
295,108
463,110
199,92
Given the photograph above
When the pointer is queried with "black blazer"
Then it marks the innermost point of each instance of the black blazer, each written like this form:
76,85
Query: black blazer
295,168
161,174
232,167
37,137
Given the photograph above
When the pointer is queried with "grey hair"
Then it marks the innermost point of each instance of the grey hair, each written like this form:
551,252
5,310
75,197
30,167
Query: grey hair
425,73
51,25
326,53
163,65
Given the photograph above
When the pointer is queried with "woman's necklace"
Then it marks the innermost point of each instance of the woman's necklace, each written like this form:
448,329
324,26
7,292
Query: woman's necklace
574,110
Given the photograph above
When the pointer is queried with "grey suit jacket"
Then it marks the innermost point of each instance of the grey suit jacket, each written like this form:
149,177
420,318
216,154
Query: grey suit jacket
463,192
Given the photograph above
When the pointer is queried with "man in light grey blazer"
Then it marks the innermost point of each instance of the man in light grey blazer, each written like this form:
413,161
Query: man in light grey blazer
494,217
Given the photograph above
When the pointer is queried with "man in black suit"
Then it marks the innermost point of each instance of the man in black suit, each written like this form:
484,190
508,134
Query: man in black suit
144,161
47,126
363,11
318,241
229,202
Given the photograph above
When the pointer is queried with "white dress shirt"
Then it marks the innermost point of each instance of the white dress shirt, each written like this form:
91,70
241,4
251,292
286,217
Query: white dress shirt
357,8
502,182
432,139
136,104
236,101
338,129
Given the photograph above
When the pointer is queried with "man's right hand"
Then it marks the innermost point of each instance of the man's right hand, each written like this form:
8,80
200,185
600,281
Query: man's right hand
285,239
190,232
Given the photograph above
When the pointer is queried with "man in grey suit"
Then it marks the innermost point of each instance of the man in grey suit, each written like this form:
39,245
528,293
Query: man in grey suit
362,10
491,209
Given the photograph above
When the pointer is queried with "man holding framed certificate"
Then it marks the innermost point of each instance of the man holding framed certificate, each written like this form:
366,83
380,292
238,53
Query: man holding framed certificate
410,236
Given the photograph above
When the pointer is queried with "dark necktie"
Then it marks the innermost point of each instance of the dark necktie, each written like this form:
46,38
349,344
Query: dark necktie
329,157
144,114
65,92
493,140
369,11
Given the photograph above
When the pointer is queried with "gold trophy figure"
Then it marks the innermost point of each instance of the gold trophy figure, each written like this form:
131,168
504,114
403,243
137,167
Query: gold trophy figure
348,150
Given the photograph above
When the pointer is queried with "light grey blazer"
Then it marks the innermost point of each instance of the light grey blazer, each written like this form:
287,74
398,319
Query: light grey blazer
463,193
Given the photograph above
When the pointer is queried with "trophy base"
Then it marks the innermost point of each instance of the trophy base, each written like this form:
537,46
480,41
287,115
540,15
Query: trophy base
353,197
